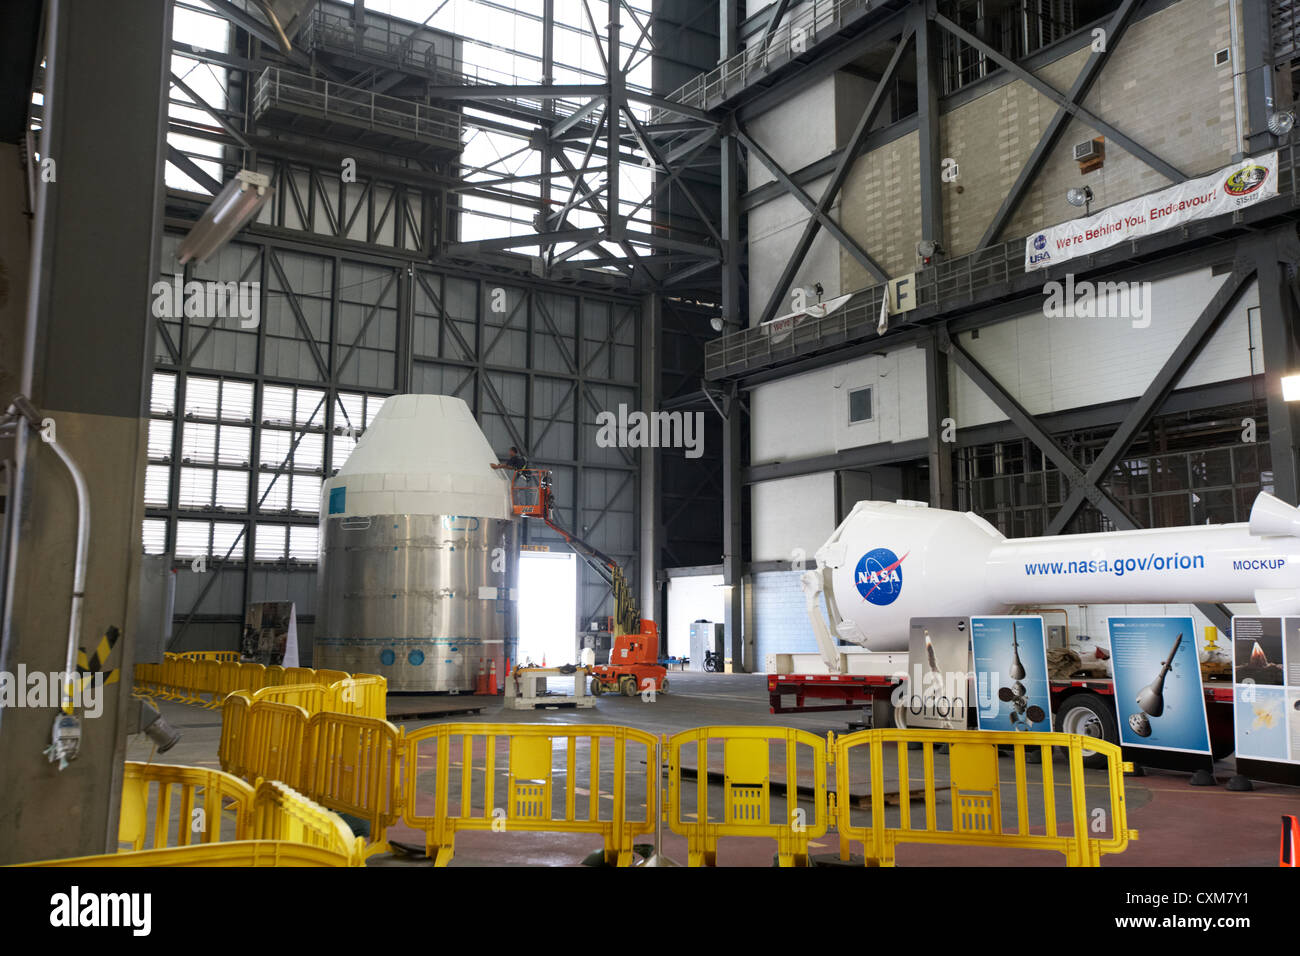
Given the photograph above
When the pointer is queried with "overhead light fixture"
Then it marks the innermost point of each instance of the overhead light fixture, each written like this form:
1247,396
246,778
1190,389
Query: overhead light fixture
285,17
230,211
1281,122
1291,388
716,322
1079,196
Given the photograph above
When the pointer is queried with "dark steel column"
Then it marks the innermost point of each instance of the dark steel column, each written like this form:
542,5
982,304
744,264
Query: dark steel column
929,154
1273,255
100,226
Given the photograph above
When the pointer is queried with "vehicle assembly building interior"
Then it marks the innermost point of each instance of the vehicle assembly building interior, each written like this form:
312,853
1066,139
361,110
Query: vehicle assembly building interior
650,433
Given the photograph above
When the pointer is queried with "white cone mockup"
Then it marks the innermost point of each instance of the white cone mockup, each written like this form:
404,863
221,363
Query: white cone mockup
889,562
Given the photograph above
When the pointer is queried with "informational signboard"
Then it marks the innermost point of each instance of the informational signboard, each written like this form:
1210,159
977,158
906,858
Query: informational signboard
271,634
938,673
1228,190
1158,691
1266,688
1011,688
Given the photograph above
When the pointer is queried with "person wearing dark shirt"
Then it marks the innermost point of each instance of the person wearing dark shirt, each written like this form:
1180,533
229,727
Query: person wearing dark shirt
516,461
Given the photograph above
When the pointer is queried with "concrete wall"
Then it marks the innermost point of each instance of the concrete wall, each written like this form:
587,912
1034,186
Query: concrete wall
792,513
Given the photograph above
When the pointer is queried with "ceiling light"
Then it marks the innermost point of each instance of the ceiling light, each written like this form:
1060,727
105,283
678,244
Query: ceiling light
229,212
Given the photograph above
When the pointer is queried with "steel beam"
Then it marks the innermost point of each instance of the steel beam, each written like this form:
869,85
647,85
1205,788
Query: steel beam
937,411
838,177
830,225
1051,135
1165,169
1192,344
1274,256
929,154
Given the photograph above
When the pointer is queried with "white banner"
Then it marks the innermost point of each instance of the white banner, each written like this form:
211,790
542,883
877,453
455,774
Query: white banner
1228,190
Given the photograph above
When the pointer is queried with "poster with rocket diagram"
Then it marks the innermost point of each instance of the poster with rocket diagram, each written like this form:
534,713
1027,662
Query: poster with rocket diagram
1011,687
1158,693
1266,687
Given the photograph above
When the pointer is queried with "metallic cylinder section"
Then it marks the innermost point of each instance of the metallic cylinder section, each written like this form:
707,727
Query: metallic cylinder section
422,600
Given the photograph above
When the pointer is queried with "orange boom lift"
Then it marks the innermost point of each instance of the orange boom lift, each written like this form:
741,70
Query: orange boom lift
634,657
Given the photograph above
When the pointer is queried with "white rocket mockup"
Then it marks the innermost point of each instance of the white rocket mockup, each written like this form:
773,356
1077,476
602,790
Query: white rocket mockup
887,563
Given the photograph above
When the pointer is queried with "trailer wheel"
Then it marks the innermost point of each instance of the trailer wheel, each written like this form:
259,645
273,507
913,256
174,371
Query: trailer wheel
1091,716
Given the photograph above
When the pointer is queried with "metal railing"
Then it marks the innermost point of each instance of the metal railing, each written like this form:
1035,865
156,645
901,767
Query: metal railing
802,27
337,103
946,284
415,54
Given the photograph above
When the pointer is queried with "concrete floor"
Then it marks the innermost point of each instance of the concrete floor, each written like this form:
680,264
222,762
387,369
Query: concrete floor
1178,824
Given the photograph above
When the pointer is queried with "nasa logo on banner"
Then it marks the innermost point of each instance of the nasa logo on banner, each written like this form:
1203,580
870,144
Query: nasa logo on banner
879,576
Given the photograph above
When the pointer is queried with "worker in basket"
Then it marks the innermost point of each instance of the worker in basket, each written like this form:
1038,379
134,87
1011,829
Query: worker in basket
516,463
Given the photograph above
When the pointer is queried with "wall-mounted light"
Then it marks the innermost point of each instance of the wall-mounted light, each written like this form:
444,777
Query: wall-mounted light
716,323
229,212
1281,122
1291,388
1080,196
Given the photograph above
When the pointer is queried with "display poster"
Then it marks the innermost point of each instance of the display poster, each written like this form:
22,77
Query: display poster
1158,691
1011,686
271,634
1266,687
938,673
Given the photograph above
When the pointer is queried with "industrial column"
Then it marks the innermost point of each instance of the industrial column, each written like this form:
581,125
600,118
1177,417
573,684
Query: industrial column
1275,256
89,332
733,566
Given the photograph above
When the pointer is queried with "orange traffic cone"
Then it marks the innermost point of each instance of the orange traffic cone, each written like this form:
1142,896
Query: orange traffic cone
543,660
492,688
480,686
1290,849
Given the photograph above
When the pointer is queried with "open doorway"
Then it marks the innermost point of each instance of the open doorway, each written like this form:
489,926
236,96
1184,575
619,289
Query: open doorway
548,607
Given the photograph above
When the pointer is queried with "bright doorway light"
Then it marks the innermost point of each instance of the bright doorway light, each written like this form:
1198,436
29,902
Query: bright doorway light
1291,388
548,607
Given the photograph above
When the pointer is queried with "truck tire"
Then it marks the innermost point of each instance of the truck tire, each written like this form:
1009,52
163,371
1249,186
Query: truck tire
1092,716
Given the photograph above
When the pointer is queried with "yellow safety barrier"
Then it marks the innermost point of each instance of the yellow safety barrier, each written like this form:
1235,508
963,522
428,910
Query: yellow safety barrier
746,809
975,788
310,697
282,813
199,800
210,655
233,853
353,764
189,677
272,743
234,735
531,801
363,696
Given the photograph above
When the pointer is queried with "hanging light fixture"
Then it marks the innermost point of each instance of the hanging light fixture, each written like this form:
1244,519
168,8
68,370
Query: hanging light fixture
229,212
1281,122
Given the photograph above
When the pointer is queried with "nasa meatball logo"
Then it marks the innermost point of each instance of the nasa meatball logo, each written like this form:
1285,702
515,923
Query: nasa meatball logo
1040,241
1245,180
879,576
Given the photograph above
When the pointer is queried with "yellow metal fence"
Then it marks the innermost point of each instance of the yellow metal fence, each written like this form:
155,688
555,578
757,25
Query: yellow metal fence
190,816
747,799
464,797
976,791
207,678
